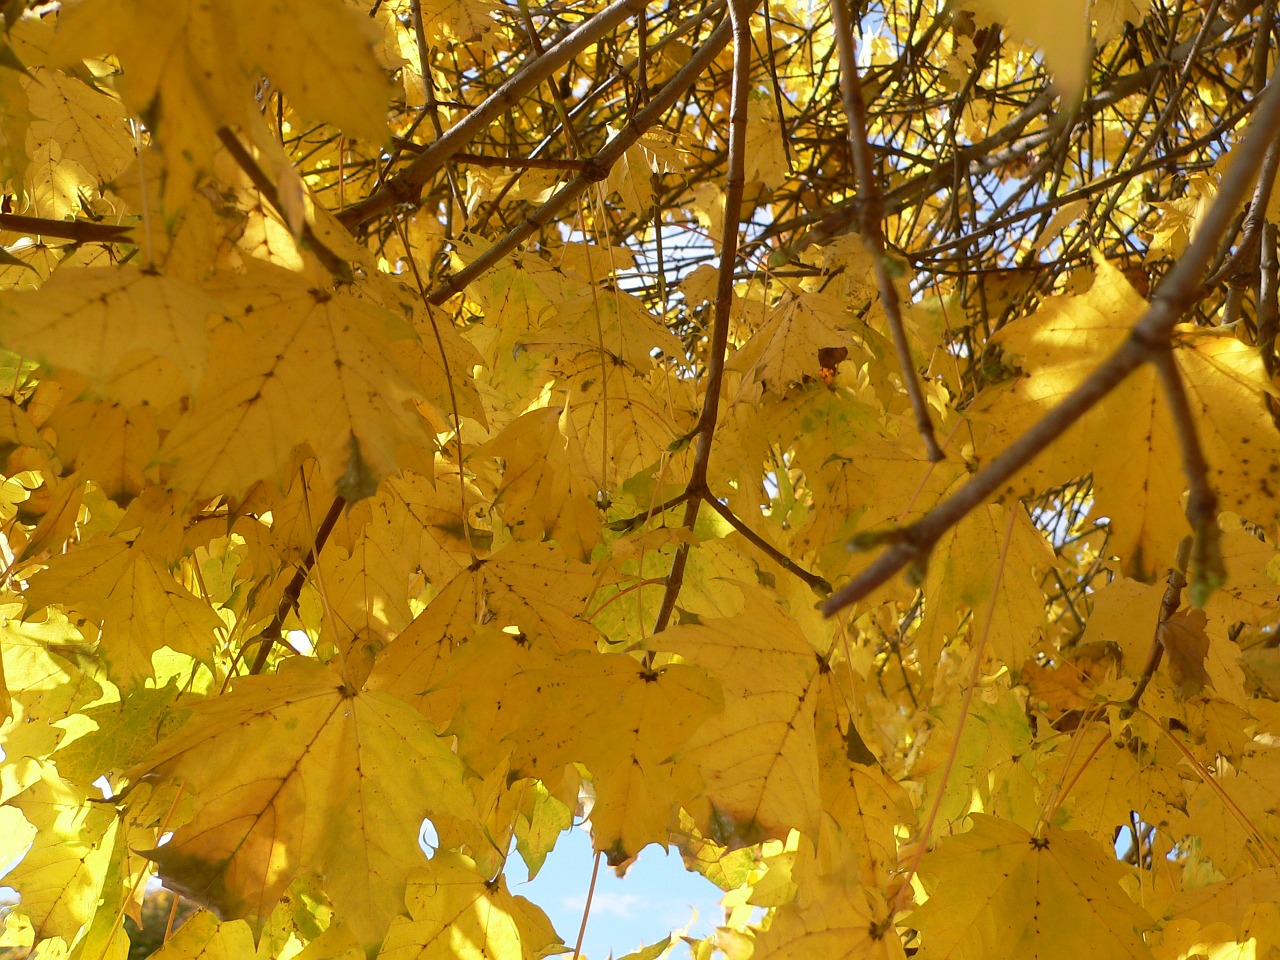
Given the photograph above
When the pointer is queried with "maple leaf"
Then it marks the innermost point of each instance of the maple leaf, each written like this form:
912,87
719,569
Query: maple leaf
963,572
759,757
1001,891
454,911
542,466
190,67
297,365
332,765
781,351
63,872
121,590
100,322
1223,376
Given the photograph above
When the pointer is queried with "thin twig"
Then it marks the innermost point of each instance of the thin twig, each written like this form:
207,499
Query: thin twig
407,185
870,214
80,231
596,169
1268,303
1150,334
735,182
268,637
815,582
330,260
1172,597
1207,573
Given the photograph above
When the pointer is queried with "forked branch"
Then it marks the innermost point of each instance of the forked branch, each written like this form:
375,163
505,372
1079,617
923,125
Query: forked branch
704,432
407,185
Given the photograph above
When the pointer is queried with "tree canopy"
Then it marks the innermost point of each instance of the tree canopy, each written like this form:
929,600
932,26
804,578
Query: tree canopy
835,441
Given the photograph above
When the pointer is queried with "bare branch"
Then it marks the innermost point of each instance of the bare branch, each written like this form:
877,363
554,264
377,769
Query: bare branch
80,231
739,19
596,169
870,213
406,186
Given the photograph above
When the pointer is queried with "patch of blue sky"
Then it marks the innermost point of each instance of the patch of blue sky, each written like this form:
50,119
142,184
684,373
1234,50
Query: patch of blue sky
655,897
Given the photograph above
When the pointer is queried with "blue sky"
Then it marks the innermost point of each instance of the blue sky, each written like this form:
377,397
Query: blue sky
656,897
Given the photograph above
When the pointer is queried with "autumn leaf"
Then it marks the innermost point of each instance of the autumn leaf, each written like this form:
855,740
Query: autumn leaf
428,426
456,912
1221,374
296,361
542,464
190,68
122,591
1001,891
101,322
289,807
759,757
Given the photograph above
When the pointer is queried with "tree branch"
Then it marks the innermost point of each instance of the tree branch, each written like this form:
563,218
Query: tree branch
740,21
595,170
331,261
407,185
1207,573
870,214
81,231
271,635
1149,335
816,583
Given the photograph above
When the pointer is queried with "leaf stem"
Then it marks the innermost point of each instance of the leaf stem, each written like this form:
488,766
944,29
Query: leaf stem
586,909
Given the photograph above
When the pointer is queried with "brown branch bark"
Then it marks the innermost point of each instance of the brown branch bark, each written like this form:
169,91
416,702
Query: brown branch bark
595,170
870,214
80,231
735,182
289,599
1207,573
331,261
407,185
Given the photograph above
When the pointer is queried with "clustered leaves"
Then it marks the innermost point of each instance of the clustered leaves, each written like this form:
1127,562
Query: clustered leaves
500,415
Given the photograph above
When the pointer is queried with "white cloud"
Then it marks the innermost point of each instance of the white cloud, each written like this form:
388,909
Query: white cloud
616,904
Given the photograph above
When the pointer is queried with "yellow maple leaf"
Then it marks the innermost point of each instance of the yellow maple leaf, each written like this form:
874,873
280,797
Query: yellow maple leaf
1060,29
962,575
534,588
456,913
132,599
624,419
544,492
77,141
203,937
1062,342
62,874
190,66
101,322
626,723
297,365
336,783
837,918
784,350
1000,891
759,757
